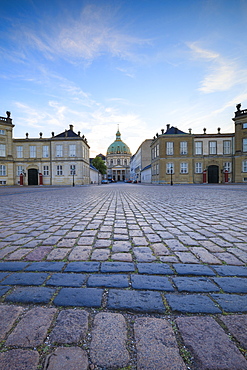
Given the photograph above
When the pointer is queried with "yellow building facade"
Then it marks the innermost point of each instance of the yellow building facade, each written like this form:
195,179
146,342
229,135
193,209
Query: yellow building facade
62,159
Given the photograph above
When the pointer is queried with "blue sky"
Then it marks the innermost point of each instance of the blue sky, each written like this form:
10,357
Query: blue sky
139,64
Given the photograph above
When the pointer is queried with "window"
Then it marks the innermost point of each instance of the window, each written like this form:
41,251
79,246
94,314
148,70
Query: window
45,151
46,170
125,162
183,167
244,166
169,168
157,169
244,125
198,167
19,170
32,149
198,147
228,167
19,151
212,147
2,170
227,147
59,150
2,132
244,145
72,169
59,170
118,161
183,148
169,148
72,150
2,150
3,182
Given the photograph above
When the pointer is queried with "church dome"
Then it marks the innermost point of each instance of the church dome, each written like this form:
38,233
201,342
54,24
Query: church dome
118,146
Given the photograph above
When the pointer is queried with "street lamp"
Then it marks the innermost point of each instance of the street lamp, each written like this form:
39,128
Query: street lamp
171,175
73,173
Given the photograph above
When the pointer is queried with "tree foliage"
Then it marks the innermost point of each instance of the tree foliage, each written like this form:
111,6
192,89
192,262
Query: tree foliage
98,163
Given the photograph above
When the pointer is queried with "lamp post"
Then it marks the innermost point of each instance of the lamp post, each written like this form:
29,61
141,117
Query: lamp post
73,173
171,175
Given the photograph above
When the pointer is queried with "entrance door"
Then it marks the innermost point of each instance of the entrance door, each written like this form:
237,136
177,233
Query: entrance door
213,174
32,176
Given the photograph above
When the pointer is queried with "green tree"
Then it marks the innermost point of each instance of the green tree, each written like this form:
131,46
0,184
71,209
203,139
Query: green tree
98,163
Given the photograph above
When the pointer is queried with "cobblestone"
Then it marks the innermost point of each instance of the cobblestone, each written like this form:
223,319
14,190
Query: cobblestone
162,253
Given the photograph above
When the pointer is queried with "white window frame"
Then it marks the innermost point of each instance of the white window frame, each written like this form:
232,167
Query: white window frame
72,168
244,166
3,170
169,167
2,150
19,151
198,167
169,148
2,132
183,167
59,150
19,170
72,150
45,151
227,147
59,170
198,147
32,151
183,147
212,147
245,145
46,170
228,167
245,125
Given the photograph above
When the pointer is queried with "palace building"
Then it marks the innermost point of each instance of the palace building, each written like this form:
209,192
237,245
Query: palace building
179,157
62,159
118,160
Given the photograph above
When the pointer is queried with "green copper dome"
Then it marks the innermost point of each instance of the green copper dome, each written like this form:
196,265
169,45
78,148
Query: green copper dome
118,146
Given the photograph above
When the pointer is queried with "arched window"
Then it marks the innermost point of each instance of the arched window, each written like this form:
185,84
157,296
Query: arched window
118,161
125,162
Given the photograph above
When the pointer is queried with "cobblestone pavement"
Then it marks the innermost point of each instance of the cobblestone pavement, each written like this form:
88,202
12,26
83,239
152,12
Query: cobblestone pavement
123,276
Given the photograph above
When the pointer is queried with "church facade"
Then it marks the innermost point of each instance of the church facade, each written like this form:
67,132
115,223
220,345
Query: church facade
118,160
62,159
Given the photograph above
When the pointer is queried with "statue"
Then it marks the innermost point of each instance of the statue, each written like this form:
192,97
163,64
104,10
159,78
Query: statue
238,106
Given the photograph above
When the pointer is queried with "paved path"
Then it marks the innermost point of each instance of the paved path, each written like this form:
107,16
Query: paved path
123,276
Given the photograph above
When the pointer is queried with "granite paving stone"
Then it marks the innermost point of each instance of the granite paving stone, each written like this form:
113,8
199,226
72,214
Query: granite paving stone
104,351
29,331
64,358
45,266
71,327
82,267
19,359
39,253
240,271
195,284
82,297
4,290
156,345
232,285
117,267
66,279
31,295
108,281
100,255
237,326
231,302
189,269
13,266
9,314
25,278
154,268
192,303
151,282
3,275
135,301
144,254
211,347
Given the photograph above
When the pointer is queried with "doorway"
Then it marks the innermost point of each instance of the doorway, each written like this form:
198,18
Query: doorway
213,174
32,176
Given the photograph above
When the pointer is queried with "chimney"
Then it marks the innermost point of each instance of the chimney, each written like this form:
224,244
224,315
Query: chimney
167,127
218,130
157,135
52,134
27,135
204,130
162,131
79,133
71,127
190,131
40,135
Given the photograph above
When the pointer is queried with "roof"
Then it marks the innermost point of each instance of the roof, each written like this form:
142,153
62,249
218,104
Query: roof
146,168
118,146
67,133
174,131
93,168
